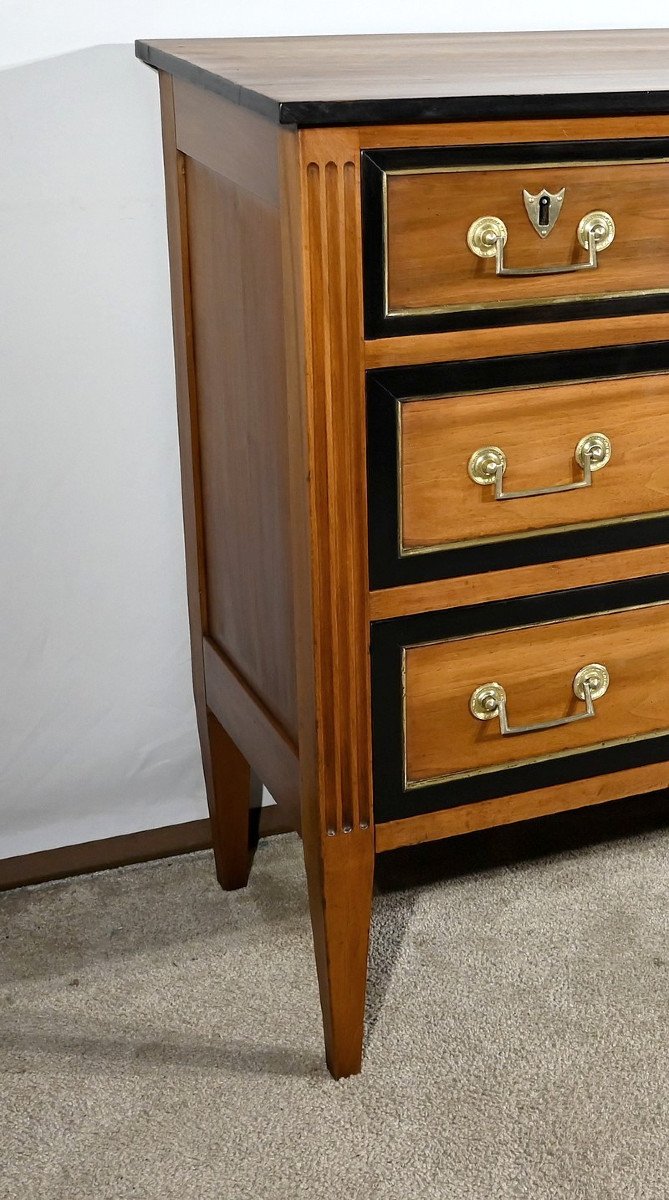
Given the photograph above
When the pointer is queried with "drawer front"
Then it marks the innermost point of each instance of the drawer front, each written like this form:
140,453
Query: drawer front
431,249
461,468
530,437
445,690
502,698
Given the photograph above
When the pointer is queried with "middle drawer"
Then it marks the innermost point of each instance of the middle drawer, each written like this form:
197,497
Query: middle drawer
481,465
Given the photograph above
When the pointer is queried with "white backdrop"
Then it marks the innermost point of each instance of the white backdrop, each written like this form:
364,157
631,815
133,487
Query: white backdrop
96,715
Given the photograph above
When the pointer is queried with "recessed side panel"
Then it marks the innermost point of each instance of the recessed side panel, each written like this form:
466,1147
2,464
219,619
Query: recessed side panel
236,286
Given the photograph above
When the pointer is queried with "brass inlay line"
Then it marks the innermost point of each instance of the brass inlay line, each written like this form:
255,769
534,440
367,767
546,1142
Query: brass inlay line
547,531
434,310
483,306
412,784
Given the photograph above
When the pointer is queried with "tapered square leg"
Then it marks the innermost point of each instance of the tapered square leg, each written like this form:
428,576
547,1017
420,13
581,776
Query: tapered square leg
340,872
232,789
326,397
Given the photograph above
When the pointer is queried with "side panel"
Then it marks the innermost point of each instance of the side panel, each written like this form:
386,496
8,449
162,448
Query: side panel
231,183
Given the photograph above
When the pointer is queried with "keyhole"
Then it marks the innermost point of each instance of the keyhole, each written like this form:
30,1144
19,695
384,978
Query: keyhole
544,210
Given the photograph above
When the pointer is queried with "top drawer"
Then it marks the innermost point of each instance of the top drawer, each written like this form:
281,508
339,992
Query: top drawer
480,236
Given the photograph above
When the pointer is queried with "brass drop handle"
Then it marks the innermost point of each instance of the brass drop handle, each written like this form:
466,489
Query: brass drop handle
488,464
487,237
489,701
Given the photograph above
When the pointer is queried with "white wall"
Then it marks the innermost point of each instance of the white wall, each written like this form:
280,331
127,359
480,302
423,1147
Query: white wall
96,716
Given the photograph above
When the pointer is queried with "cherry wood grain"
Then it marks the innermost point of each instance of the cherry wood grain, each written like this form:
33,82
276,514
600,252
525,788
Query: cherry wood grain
196,399
232,142
426,77
265,244
431,265
330,477
234,779
255,732
538,429
535,665
230,843
518,581
236,285
561,335
463,133
327,423
411,831
340,894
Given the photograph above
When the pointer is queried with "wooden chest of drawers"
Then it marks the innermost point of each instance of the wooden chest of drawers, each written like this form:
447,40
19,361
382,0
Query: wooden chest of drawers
420,288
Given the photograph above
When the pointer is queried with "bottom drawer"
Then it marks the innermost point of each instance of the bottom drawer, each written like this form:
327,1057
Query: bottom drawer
497,699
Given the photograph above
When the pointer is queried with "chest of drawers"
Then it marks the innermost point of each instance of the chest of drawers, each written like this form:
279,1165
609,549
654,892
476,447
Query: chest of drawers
420,292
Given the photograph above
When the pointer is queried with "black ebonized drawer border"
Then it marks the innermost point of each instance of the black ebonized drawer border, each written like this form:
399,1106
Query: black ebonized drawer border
388,385
388,638
375,163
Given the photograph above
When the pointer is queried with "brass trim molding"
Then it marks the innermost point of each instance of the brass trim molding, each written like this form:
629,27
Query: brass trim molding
436,310
404,551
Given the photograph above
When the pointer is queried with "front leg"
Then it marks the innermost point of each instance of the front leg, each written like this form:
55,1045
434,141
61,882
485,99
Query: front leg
340,874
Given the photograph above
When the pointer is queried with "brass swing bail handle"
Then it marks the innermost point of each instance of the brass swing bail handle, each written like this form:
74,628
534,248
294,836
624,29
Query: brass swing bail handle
487,237
488,464
489,701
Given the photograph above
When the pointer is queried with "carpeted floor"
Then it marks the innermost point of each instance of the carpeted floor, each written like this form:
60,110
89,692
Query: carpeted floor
162,1039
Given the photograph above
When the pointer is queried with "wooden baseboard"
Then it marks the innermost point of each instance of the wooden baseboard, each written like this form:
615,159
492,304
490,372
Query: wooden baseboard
120,851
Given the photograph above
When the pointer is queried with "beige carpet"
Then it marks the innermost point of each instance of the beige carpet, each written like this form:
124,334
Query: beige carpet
161,1038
